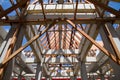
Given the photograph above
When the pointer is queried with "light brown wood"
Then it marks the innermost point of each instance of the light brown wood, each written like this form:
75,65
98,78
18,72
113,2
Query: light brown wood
27,44
106,52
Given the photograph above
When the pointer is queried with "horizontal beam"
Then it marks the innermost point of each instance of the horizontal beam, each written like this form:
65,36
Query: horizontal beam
58,15
27,44
66,51
61,8
57,63
66,55
77,21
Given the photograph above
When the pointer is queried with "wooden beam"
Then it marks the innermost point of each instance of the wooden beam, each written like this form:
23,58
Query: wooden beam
76,9
51,36
106,52
68,55
80,20
55,38
117,52
20,4
1,9
74,39
27,44
64,37
71,37
60,36
48,40
41,2
16,10
9,51
105,7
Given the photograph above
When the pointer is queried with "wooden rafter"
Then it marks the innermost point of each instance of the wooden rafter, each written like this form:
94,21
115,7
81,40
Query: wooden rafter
74,40
43,37
64,37
41,2
96,44
1,9
67,41
52,36
55,38
16,10
45,44
19,4
71,37
76,35
80,26
27,44
44,40
64,40
10,50
48,40
53,41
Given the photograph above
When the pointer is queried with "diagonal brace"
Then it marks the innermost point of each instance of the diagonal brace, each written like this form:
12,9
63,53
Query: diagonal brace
106,52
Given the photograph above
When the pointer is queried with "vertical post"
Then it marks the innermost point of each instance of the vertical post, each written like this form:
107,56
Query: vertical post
8,70
83,70
9,67
6,51
20,75
38,75
101,75
73,78
109,46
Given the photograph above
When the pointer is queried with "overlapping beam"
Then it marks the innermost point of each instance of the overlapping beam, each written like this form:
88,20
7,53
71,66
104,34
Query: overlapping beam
80,21
18,5
27,44
106,52
42,21
76,9
105,7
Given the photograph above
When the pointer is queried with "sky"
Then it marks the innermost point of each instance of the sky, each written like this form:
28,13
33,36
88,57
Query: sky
115,5
6,4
